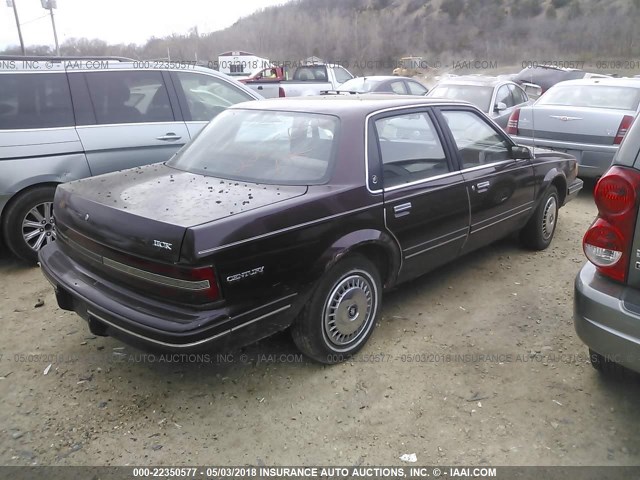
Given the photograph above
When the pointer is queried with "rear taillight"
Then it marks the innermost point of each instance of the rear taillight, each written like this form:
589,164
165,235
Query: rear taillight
607,243
180,284
512,124
281,93
625,124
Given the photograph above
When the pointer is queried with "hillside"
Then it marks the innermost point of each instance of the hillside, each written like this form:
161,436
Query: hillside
370,35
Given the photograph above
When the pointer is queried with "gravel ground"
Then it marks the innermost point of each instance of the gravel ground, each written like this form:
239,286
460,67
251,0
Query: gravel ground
475,363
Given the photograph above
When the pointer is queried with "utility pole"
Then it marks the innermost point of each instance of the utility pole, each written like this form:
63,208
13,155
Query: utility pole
50,5
12,3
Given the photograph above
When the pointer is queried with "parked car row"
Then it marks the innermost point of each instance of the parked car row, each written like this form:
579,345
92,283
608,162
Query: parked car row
299,213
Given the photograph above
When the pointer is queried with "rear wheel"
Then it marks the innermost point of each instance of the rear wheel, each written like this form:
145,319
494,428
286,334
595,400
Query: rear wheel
342,312
538,232
28,223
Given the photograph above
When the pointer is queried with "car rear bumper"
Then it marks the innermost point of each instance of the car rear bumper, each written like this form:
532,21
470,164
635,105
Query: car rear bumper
593,160
607,317
153,325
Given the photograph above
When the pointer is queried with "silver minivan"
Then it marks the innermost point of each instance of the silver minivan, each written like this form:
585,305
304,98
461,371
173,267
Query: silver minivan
63,119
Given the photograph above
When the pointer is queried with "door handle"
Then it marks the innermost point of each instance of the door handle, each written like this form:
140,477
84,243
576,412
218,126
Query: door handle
482,187
168,137
402,210
260,87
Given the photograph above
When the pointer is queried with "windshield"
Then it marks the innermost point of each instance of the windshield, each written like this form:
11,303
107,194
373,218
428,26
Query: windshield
594,96
280,148
359,85
478,95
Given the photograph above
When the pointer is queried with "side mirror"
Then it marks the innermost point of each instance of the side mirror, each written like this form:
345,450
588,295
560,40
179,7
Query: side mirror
519,152
500,106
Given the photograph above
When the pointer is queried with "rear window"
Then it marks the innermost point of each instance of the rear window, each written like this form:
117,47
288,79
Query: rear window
477,95
35,101
593,96
280,148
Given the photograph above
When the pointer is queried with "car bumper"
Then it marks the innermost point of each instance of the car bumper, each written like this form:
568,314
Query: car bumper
593,160
573,190
607,317
150,324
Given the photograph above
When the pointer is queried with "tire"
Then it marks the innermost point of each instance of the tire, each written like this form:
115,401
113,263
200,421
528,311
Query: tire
329,331
539,230
608,367
28,223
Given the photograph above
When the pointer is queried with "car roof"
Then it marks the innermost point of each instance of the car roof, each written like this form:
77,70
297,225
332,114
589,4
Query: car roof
381,78
608,81
345,104
483,81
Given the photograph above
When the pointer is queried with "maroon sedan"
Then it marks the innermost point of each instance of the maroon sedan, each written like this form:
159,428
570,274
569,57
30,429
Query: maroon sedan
295,213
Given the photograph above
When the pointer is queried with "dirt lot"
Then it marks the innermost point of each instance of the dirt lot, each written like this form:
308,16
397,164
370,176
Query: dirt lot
532,399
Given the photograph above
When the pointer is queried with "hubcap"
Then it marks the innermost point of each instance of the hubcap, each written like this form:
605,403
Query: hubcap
349,309
38,226
549,218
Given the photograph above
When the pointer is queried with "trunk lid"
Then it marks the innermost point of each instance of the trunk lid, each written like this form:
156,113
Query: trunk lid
146,211
571,124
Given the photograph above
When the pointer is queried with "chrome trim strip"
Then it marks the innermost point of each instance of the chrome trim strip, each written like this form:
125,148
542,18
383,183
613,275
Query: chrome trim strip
183,345
155,278
460,230
46,129
287,229
575,187
433,189
422,180
498,221
165,122
436,246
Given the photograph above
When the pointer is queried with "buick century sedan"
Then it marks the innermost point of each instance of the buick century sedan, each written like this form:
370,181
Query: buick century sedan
295,213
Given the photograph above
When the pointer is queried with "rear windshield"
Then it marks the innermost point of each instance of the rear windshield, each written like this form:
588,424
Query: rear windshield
593,96
270,147
478,95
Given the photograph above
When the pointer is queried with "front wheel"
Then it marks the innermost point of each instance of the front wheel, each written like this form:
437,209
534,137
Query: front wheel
28,223
538,232
342,312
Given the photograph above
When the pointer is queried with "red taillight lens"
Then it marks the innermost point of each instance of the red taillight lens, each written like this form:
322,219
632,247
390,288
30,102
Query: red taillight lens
607,243
281,93
615,193
625,124
512,124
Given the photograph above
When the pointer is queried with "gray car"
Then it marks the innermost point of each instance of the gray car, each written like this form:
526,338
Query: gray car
383,84
66,119
497,97
607,289
586,118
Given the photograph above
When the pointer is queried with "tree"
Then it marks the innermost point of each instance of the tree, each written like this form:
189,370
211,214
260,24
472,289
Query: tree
453,8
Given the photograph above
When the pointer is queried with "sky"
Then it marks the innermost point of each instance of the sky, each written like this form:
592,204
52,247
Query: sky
120,21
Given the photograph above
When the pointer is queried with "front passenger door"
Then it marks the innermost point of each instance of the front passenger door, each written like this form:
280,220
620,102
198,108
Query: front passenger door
425,198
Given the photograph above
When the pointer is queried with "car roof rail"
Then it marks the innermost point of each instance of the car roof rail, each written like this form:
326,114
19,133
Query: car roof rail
54,58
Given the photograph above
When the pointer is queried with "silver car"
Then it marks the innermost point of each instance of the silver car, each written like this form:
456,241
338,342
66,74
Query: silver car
607,289
66,119
586,118
497,97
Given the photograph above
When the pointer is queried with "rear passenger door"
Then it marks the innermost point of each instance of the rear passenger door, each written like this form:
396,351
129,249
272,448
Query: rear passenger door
501,189
425,198
126,118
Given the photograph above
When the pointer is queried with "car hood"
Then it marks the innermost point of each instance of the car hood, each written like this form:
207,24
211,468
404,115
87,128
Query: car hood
146,211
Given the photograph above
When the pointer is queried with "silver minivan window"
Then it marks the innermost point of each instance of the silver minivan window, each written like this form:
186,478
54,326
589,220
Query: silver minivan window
39,100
